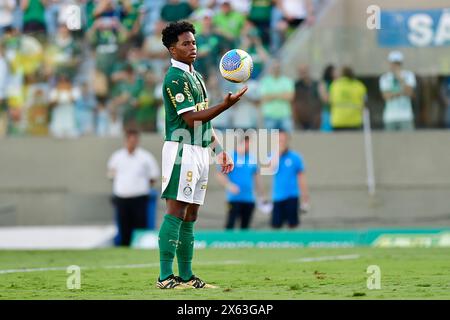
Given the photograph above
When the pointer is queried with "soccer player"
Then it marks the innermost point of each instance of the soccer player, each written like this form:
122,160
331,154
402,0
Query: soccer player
185,154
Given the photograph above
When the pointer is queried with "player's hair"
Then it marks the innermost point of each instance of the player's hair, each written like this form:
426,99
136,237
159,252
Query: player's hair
131,132
171,32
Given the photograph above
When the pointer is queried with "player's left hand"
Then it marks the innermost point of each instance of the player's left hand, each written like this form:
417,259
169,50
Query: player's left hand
225,161
304,207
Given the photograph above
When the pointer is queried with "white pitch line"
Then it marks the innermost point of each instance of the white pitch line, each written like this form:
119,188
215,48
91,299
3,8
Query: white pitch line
156,264
123,266
328,258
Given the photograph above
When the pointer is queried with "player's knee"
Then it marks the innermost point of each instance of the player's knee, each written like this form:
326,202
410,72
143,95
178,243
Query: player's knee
191,216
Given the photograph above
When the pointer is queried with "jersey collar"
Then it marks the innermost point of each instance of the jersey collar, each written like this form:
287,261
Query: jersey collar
181,65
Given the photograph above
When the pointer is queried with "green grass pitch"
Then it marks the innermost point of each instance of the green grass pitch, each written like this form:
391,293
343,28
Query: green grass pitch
307,273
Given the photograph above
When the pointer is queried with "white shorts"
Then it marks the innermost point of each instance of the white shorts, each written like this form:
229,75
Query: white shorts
185,170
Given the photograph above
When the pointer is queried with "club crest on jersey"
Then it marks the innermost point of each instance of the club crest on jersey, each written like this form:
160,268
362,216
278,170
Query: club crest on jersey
179,97
187,191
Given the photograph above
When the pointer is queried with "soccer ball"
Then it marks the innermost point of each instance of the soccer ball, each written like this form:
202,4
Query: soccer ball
236,66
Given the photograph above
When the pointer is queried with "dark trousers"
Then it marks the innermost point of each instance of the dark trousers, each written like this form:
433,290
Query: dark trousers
242,211
132,214
286,211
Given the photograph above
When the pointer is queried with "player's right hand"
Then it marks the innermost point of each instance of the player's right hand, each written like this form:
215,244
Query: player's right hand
231,98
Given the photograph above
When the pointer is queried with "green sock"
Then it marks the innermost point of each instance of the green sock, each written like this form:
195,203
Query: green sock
185,250
168,241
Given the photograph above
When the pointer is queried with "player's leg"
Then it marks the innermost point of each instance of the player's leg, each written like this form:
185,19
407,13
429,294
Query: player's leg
246,214
292,210
168,241
233,212
140,205
172,167
125,220
277,212
185,249
169,234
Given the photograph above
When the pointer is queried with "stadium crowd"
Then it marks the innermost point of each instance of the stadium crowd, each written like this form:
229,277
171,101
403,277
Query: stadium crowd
67,79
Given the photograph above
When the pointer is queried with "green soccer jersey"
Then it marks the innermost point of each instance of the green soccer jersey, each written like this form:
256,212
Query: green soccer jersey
184,91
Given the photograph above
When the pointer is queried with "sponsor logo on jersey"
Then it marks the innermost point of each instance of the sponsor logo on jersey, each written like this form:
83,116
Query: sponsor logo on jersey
171,97
187,92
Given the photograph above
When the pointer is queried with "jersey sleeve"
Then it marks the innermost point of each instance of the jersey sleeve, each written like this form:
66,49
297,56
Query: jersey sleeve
112,162
179,93
300,165
152,166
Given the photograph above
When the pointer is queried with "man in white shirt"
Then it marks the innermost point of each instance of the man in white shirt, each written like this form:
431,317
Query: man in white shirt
397,87
134,170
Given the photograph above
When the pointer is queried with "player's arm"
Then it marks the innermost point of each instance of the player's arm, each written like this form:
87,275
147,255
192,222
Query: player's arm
225,182
303,187
199,117
111,171
223,158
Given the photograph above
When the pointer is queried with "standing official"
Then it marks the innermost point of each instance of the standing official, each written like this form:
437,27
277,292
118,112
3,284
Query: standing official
133,170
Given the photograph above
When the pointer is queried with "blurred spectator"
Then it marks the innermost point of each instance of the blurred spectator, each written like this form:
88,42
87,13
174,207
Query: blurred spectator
397,87
277,93
287,15
241,6
208,45
251,42
290,191
62,103
216,87
131,17
4,78
260,14
347,100
445,96
52,12
133,170
228,23
36,114
306,109
175,10
240,185
7,8
115,123
246,113
34,16
84,110
329,74
63,54
147,104
106,34
102,119
125,101
154,49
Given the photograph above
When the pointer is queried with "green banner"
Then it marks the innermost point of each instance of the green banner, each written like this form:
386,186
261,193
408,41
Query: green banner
307,238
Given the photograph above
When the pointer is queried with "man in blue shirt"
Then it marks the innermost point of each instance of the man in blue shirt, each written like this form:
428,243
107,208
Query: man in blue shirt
240,185
289,185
